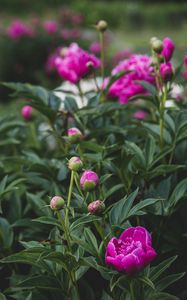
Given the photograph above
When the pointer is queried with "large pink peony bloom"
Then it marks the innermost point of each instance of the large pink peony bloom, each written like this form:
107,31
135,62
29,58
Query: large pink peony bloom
125,87
18,29
131,252
74,64
168,48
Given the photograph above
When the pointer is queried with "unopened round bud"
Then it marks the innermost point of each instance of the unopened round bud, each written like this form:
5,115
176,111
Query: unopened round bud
75,164
102,25
96,207
89,180
166,71
57,203
74,135
26,112
154,38
157,46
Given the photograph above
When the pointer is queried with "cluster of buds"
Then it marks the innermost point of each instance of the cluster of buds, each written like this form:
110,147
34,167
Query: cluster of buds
163,52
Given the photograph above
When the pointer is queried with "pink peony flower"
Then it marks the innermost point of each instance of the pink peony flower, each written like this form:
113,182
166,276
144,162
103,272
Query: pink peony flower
166,71
140,115
168,48
50,65
27,112
73,65
125,87
50,27
131,252
89,180
18,29
95,47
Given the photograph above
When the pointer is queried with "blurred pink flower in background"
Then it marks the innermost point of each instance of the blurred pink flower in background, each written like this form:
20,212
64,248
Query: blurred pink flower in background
140,115
95,47
50,26
126,53
168,48
18,29
73,65
139,68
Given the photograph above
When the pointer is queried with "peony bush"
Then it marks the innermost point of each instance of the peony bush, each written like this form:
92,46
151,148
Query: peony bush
93,185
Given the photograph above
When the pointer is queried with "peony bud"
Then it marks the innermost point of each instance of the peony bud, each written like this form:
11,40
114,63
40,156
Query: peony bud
57,203
27,112
185,60
166,71
96,207
157,45
74,135
75,164
89,180
168,48
102,25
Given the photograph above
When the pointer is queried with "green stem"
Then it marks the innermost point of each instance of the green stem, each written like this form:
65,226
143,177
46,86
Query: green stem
132,291
77,185
162,110
65,230
101,37
80,93
69,201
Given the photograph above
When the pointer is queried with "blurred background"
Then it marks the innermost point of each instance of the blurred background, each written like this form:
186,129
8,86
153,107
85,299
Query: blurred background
32,32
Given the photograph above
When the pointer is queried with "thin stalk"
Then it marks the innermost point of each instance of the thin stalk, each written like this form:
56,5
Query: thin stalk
132,291
101,37
69,201
80,93
78,186
65,230
162,110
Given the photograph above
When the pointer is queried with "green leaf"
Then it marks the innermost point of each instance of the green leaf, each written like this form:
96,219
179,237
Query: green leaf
156,271
148,86
6,234
83,220
120,210
150,148
147,282
41,282
142,204
168,280
47,220
91,239
2,297
178,193
162,296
